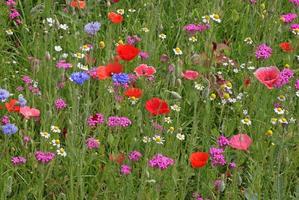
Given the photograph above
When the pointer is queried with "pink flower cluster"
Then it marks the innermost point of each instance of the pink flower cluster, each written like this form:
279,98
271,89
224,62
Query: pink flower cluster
63,64
217,157
14,14
194,28
284,77
95,120
288,18
161,162
92,143
18,160
44,157
295,2
263,52
32,85
115,121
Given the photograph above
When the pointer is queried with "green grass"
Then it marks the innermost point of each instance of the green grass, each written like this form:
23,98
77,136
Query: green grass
269,170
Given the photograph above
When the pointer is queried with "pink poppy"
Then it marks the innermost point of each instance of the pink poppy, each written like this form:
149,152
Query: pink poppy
28,112
145,70
267,76
240,141
190,74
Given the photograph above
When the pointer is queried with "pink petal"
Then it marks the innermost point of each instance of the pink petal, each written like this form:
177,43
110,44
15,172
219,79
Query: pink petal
240,141
267,76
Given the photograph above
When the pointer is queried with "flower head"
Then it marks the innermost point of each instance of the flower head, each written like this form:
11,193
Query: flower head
9,129
92,28
79,77
263,52
157,106
198,159
161,162
4,95
92,143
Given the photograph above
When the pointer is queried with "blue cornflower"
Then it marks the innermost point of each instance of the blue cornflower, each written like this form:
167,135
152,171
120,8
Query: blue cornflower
79,77
4,94
22,101
9,129
120,78
92,28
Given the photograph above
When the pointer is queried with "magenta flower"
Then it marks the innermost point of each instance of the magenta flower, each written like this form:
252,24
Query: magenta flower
222,141
263,52
288,18
44,157
18,160
284,77
160,161
297,84
92,143
295,2
217,157
60,104
125,170
63,64
115,121
135,155
95,120
5,120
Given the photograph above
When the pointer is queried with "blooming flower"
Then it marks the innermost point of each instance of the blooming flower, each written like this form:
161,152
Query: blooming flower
177,51
289,17
55,129
267,76
28,112
120,78
79,77
157,106
145,70
180,136
263,52
9,129
135,155
284,77
190,74
222,141
217,157
115,18
4,94
198,159
60,104
44,157
95,119
5,120
63,64
286,47
240,141
61,152
215,17
125,169
18,160
127,52
158,139
92,28
45,134
92,143
115,121
160,161
246,121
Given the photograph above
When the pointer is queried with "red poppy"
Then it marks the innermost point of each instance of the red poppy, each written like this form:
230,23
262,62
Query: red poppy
114,68
286,47
12,106
102,73
157,106
198,159
127,52
115,18
145,70
78,4
267,76
117,158
133,92
190,74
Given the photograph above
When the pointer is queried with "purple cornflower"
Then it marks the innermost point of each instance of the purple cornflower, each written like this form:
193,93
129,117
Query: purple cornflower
217,157
60,104
120,78
22,101
288,18
18,160
144,55
295,2
222,141
297,84
284,77
95,120
132,40
79,77
135,155
5,120
63,64
232,165
125,170
115,121
44,157
263,52
92,143
4,94
9,129
92,28
160,161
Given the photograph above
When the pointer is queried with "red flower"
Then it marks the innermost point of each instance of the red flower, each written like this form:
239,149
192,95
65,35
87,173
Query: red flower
190,74
127,52
11,106
102,73
78,4
145,70
247,82
157,106
133,92
114,68
115,18
198,159
267,76
117,158
286,47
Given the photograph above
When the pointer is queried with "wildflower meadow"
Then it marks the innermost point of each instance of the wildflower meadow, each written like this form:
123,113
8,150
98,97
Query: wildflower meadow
149,99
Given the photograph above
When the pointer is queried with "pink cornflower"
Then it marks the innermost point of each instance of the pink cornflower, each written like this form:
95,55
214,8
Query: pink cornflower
11,3
288,18
92,143
95,120
44,157
135,155
14,14
18,160
125,170
161,162
263,52
60,104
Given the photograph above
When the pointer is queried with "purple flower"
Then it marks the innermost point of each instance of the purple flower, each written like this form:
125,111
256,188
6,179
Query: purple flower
4,94
9,129
115,121
143,55
44,157
284,77
95,120
92,143
5,120
125,170
60,104
295,2
132,40
63,64
297,84
263,52
294,27
18,160
222,141
288,18
193,28
135,155
232,165
217,157
219,185
120,78
92,28
26,139
252,1
79,77
160,161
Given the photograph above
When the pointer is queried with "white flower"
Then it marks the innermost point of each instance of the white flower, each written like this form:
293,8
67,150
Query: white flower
64,55
45,135
281,98
158,139
246,121
251,67
120,11
50,21
283,120
63,26
279,111
175,108
297,93
273,121
235,70
146,139
55,129
292,120
132,10
168,120
56,143
248,40
79,55
215,17
198,86
58,48
205,19
61,152
245,112
9,32
180,136
177,51
162,36
192,39
83,67
145,29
